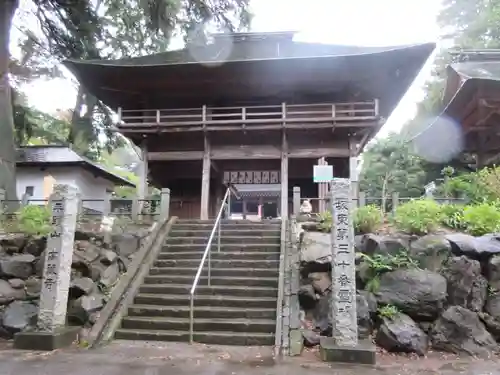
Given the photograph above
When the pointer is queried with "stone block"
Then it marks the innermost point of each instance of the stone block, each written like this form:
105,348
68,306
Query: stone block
48,341
364,353
296,342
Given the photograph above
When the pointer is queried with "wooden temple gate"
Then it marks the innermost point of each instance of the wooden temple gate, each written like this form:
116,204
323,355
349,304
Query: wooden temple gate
271,109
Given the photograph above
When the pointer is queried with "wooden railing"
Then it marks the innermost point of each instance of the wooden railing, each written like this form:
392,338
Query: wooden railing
286,115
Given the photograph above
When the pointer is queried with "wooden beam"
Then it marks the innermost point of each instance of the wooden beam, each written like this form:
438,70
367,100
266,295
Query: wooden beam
176,155
245,152
332,151
153,128
205,181
284,177
254,152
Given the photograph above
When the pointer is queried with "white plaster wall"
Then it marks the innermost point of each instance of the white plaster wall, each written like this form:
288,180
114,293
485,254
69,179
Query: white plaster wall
90,187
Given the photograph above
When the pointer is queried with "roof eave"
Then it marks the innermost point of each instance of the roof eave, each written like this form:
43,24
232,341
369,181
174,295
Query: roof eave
117,180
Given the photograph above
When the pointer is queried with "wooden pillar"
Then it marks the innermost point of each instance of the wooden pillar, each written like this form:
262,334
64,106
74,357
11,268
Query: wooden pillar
296,200
205,181
322,190
284,177
219,194
353,171
142,189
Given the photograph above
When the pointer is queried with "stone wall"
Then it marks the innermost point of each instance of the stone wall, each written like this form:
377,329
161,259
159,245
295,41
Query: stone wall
96,268
439,291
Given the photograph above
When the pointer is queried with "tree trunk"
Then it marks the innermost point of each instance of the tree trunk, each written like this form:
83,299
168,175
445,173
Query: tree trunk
384,193
7,145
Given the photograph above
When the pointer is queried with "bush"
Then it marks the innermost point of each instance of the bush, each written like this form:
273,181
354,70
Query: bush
452,216
367,219
326,221
418,216
380,263
388,311
481,219
34,220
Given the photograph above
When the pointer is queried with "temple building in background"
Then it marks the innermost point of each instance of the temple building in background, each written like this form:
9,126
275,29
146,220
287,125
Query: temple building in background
254,109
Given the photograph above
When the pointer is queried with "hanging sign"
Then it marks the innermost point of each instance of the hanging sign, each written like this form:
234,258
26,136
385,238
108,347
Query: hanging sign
322,173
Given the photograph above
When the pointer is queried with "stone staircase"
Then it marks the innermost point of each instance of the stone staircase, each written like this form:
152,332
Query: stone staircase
239,308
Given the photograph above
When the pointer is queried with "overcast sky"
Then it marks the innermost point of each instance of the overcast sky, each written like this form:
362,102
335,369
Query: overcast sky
359,22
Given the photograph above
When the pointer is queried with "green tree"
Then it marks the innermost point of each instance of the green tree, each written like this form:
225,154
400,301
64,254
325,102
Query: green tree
388,166
76,29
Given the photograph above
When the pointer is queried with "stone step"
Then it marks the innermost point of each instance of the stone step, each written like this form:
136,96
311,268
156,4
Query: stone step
228,255
209,337
245,272
227,221
218,280
200,324
218,263
175,232
251,247
209,227
224,240
214,302
245,291
203,312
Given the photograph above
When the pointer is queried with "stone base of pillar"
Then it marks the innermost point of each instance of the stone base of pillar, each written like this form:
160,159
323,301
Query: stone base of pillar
363,353
48,341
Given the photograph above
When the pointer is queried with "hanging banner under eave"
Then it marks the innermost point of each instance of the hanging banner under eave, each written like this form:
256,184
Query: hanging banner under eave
322,173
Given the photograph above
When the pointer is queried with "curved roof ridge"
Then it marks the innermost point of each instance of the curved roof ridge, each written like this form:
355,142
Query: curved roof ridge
337,50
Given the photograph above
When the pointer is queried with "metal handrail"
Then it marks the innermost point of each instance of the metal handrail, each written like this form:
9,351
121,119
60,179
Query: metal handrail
206,253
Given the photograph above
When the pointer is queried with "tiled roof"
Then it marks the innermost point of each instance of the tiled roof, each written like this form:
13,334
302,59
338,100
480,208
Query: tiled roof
57,155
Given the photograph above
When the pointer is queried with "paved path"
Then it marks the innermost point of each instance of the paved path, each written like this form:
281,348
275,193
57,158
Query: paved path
140,358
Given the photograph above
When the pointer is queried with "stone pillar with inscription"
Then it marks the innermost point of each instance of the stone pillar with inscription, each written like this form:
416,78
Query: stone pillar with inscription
51,331
344,346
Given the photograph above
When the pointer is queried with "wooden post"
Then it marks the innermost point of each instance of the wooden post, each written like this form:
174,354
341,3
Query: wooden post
205,181
142,189
361,199
353,170
134,209
322,190
52,332
119,115
296,200
284,177
25,199
106,206
2,201
165,204
395,201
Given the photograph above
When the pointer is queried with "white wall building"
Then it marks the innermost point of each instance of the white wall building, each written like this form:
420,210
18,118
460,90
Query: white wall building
39,168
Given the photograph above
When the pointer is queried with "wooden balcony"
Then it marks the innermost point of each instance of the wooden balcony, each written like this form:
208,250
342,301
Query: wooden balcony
322,115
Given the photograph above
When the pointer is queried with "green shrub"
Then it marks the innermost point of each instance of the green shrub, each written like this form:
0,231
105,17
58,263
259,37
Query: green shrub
367,219
34,220
380,263
419,216
388,311
326,221
452,216
481,219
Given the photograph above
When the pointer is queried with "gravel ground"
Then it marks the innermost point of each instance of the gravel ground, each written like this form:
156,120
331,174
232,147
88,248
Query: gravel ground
150,358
